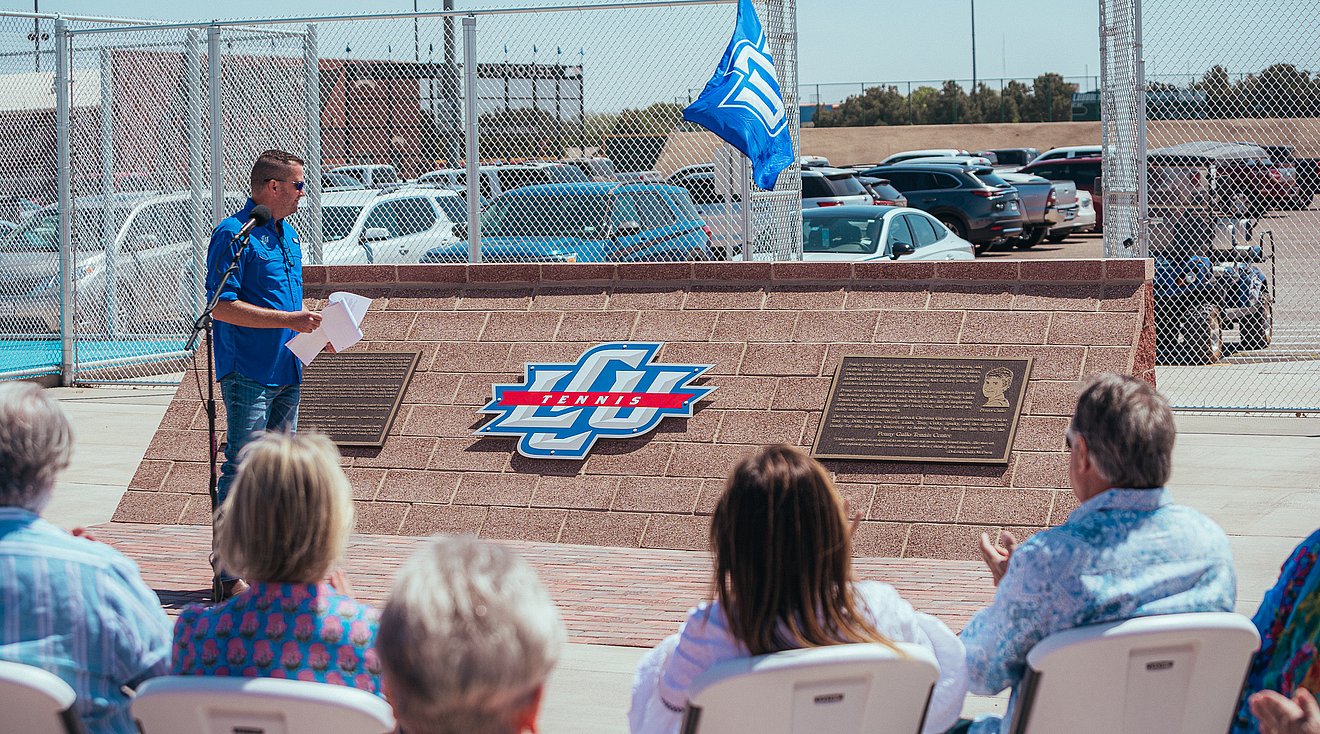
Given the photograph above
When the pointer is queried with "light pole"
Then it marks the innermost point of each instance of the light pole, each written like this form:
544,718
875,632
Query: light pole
973,46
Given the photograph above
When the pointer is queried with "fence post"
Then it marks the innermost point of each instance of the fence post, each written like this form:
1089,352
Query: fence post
470,107
312,171
64,184
217,132
1143,214
192,75
108,224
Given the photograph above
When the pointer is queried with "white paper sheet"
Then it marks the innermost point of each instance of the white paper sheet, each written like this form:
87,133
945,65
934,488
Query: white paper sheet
341,323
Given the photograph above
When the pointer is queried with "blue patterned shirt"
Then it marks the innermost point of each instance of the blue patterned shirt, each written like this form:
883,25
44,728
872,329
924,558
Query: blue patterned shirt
1123,553
80,610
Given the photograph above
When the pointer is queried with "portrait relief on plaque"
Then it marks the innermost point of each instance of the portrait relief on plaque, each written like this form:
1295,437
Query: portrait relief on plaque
930,409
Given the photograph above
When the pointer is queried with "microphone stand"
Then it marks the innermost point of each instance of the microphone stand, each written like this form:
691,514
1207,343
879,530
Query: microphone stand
203,324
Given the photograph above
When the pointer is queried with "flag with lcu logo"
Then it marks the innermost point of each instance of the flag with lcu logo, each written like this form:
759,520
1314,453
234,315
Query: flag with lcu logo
742,102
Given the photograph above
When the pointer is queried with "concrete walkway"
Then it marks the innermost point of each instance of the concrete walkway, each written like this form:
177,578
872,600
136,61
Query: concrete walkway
1255,476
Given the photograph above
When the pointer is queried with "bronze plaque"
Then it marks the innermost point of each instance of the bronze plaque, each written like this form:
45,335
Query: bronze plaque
938,409
353,397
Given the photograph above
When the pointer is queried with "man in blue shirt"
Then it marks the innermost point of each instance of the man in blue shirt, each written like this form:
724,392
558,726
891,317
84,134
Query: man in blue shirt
69,605
1125,552
260,308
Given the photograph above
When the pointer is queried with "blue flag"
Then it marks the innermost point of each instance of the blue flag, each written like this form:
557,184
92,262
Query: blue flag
742,102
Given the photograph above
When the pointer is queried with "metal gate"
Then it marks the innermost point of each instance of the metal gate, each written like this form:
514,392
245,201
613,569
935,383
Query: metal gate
1217,183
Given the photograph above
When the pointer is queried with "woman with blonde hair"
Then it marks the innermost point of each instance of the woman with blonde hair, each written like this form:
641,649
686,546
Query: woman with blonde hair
783,580
284,527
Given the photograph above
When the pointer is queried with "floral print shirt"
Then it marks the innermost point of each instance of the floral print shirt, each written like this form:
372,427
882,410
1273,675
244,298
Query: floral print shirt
299,631
1124,553
1289,624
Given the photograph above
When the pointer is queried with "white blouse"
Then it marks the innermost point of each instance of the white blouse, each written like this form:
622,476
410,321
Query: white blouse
662,678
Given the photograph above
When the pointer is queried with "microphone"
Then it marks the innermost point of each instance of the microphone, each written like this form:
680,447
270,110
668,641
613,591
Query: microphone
259,217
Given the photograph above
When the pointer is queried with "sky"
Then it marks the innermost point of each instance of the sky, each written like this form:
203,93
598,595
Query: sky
843,44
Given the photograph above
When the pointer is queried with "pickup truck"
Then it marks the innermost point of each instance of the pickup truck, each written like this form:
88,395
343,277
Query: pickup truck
1046,204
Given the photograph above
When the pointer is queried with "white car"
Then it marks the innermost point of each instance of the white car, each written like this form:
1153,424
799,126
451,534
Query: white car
365,226
1083,222
495,180
1070,151
908,155
373,176
865,233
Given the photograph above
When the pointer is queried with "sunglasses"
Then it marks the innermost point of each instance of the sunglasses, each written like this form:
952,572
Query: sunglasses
1068,438
296,184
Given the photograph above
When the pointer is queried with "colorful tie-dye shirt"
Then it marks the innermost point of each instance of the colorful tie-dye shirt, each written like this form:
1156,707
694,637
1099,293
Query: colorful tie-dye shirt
1289,625
299,631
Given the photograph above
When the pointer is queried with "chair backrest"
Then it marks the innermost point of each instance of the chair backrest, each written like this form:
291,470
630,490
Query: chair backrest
839,689
220,705
1172,674
36,701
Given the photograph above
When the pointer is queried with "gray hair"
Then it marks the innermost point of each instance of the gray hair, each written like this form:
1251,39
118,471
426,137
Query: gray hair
1129,430
35,445
467,639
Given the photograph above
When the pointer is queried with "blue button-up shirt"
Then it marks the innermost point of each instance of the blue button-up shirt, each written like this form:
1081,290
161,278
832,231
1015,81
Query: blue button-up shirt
80,610
1123,553
269,275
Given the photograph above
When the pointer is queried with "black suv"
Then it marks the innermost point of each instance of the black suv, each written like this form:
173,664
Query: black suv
970,200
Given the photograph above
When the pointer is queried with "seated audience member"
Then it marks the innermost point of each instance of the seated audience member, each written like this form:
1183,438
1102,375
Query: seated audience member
72,606
1279,715
1126,551
467,640
781,538
284,526
1289,625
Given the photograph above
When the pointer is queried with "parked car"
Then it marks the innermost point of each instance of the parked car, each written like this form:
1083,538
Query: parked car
1207,277
972,201
814,161
337,181
962,160
854,232
595,169
1070,151
496,179
723,216
832,187
6,227
372,176
1083,172
882,191
366,226
1084,221
586,222
127,277
907,155
1013,157
1045,203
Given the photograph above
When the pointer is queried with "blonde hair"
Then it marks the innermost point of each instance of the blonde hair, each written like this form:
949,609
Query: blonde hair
289,512
783,556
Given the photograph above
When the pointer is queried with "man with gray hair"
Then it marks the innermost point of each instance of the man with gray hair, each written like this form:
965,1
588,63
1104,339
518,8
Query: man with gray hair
467,640
1126,551
70,605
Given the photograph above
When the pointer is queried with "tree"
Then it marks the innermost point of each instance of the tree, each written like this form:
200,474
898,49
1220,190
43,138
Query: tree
660,118
882,105
1051,99
1015,100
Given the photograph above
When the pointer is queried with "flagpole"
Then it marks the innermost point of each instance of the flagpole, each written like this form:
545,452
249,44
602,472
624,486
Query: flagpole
746,179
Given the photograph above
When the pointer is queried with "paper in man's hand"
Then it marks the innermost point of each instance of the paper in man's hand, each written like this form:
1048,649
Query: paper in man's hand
341,322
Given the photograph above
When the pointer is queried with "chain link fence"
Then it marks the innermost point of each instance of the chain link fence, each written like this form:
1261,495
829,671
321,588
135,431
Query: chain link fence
1232,161
395,115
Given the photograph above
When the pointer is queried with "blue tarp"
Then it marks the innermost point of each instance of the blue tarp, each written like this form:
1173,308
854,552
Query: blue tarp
44,354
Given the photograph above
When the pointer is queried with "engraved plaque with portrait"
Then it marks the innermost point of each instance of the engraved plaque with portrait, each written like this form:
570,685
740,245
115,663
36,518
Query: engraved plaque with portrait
934,409
354,397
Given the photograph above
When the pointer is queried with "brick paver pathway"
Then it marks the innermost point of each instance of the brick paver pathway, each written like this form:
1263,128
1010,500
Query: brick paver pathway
608,596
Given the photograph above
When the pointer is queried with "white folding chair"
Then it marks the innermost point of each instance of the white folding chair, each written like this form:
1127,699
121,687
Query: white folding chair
222,705
1171,674
36,701
839,689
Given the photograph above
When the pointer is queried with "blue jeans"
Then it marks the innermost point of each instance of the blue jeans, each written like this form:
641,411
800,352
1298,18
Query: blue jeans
250,408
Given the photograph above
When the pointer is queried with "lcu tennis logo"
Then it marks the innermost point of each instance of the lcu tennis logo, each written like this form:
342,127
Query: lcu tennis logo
756,90
612,391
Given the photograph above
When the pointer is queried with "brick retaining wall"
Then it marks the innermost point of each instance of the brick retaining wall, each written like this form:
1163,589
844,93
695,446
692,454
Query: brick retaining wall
774,332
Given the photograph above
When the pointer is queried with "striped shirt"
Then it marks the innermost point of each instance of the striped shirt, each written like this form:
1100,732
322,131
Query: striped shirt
80,610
